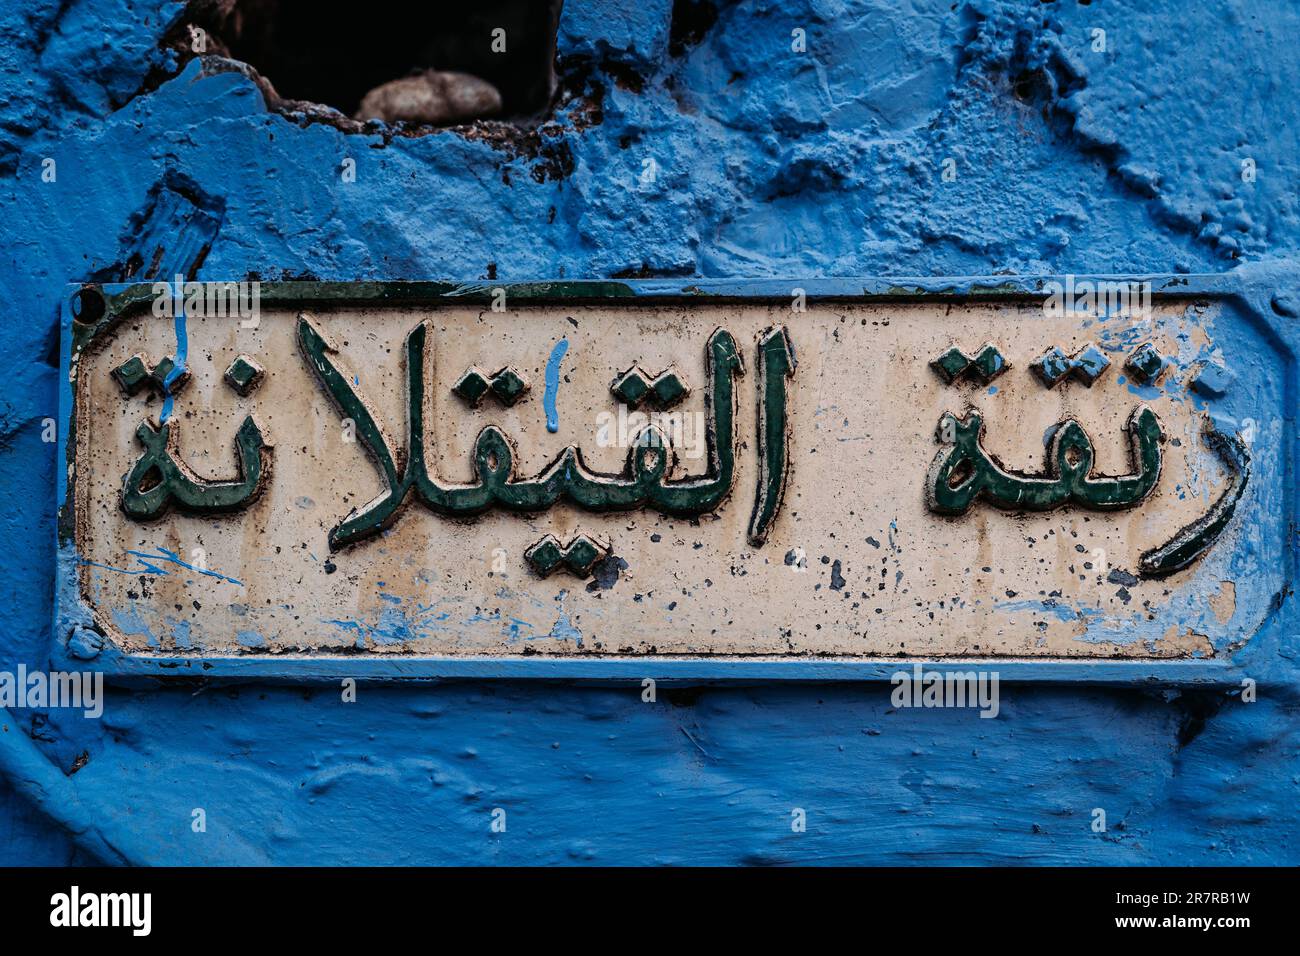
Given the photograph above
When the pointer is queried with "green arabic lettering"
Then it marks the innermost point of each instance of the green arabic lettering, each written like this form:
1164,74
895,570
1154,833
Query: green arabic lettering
641,484
160,479
964,472
1195,539
775,364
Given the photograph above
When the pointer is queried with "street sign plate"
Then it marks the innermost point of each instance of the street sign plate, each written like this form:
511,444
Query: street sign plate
422,475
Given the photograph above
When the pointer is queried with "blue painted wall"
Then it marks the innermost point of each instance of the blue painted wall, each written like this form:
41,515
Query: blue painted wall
770,163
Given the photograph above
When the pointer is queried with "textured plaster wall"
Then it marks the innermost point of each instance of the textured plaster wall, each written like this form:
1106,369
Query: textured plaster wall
769,163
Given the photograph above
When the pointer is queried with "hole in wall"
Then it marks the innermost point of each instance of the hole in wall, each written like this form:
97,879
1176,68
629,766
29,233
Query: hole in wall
503,50
691,20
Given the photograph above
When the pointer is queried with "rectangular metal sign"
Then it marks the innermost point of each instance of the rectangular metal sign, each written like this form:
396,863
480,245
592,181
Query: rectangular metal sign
307,479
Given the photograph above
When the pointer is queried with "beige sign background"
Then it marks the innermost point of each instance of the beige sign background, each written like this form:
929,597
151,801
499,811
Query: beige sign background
855,564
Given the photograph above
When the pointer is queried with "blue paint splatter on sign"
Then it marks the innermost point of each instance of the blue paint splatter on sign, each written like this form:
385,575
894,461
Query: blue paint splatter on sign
172,557
182,351
553,385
